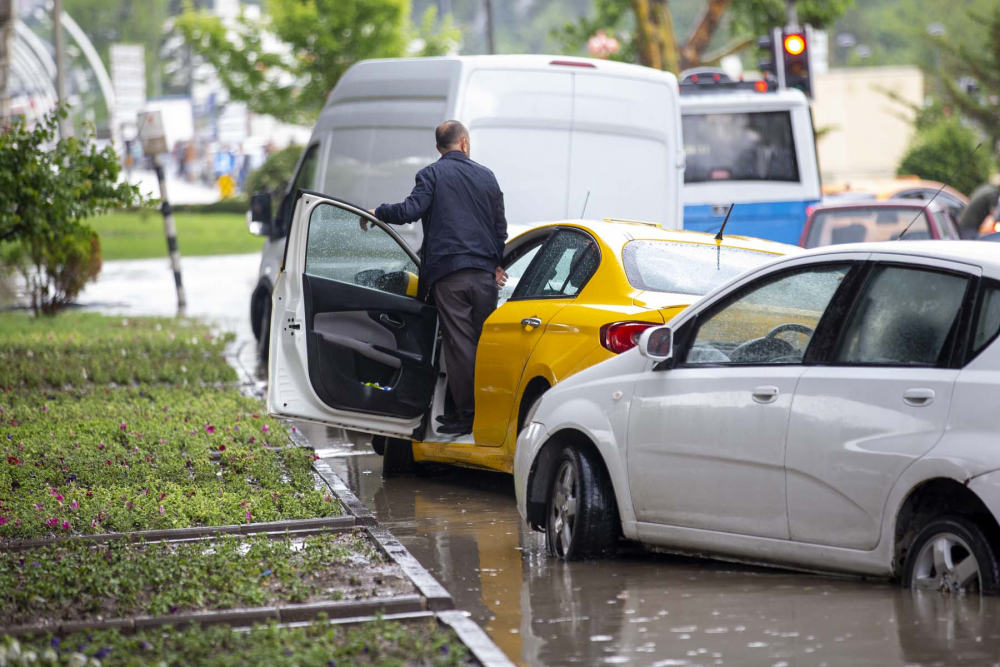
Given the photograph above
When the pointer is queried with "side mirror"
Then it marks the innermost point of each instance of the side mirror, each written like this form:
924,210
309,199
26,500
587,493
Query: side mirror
657,343
259,219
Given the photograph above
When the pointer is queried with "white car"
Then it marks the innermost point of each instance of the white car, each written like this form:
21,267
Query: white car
832,411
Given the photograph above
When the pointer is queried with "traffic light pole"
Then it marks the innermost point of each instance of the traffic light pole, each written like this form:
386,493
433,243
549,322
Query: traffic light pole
791,14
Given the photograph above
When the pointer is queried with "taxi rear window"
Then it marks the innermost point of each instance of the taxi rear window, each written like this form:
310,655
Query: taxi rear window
686,268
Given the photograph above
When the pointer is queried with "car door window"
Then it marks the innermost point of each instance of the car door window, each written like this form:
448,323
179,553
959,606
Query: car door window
772,322
306,178
338,249
515,271
988,323
561,268
903,318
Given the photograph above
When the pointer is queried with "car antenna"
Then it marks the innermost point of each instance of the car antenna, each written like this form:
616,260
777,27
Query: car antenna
943,186
718,237
585,202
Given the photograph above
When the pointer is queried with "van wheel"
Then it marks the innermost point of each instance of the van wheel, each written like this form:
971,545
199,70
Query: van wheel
397,458
582,518
264,340
951,555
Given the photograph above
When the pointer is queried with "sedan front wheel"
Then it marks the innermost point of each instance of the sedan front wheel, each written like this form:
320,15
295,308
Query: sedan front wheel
582,517
951,555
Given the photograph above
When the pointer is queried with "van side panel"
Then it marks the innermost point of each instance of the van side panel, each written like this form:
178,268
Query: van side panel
625,150
520,124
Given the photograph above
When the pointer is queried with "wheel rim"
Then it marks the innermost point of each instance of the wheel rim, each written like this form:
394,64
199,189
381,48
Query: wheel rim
946,564
562,514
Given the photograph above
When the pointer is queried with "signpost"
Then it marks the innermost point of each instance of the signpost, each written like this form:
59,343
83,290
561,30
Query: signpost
154,145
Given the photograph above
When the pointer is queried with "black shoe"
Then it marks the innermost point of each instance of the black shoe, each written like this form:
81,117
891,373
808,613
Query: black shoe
449,418
458,428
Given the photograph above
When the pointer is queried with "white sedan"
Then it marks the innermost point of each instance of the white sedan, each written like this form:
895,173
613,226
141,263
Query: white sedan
833,411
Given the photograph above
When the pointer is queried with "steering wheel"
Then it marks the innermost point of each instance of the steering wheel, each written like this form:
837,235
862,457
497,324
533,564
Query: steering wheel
770,347
796,328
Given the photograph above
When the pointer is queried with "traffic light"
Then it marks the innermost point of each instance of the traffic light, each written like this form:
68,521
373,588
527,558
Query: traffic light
768,60
795,53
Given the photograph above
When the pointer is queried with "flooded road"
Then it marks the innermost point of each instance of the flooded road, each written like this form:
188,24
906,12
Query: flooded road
638,609
643,608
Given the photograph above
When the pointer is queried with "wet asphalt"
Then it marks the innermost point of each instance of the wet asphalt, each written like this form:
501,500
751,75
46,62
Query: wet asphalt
640,608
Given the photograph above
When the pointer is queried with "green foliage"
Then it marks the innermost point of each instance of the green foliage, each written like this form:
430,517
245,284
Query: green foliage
82,349
76,580
325,37
421,643
48,187
56,269
938,151
138,234
277,170
757,17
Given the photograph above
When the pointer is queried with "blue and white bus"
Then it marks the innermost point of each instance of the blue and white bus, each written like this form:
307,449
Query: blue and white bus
750,147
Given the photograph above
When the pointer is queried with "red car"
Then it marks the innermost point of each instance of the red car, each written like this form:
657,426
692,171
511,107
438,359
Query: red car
861,221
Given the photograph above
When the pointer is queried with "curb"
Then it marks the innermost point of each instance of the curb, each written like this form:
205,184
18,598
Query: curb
362,515
478,642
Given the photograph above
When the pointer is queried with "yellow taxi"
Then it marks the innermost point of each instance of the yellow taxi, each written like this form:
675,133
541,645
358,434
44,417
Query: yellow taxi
901,187
351,345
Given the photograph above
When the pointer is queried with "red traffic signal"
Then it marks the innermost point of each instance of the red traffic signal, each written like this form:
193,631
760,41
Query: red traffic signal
795,44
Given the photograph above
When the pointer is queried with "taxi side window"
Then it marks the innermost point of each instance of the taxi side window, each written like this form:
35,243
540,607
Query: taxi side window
515,270
561,268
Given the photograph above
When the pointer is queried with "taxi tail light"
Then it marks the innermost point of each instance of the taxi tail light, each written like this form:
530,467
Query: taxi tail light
621,337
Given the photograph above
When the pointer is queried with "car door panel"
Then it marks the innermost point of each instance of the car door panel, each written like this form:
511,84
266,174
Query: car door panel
350,345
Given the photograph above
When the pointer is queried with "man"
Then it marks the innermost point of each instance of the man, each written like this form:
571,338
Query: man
461,207
979,215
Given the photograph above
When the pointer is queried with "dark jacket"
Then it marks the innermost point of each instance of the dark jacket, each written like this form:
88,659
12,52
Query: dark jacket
461,206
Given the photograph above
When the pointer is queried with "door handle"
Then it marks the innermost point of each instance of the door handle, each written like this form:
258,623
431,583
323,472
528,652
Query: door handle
531,323
390,321
918,397
765,394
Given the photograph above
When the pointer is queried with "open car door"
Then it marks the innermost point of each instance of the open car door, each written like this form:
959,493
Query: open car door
351,344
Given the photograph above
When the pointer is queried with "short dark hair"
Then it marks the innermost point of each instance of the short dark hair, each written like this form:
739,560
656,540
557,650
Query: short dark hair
449,133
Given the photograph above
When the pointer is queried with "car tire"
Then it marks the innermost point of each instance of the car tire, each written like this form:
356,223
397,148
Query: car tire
581,514
378,444
397,458
951,554
264,340
527,406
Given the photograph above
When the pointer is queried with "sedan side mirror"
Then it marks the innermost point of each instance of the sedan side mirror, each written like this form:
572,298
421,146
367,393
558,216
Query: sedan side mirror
657,343
259,219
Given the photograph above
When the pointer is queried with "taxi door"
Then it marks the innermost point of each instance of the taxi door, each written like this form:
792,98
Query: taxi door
544,275
350,345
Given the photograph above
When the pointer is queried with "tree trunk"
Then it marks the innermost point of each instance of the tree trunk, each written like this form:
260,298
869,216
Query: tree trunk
655,39
7,18
704,30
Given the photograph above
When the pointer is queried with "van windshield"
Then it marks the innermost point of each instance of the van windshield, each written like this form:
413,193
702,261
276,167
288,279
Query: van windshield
686,268
756,146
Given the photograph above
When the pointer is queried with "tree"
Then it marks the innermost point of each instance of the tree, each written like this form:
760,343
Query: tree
943,150
647,28
48,187
980,64
322,38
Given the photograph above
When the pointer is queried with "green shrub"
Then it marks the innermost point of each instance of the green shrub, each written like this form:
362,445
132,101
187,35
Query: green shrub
56,268
939,149
277,170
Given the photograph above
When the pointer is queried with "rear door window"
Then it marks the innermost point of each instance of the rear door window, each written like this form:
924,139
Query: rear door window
905,316
561,268
988,322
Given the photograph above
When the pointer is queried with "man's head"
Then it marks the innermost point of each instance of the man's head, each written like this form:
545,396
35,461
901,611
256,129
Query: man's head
452,136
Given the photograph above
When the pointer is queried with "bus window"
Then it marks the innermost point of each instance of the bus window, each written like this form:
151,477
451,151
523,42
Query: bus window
740,147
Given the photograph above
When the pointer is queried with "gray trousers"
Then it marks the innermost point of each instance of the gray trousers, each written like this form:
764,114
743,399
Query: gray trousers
464,300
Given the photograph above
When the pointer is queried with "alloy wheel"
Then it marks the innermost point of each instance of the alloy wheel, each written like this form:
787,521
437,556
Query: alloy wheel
946,564
562,512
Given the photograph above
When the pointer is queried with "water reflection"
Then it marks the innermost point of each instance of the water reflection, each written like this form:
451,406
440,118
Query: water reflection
652,609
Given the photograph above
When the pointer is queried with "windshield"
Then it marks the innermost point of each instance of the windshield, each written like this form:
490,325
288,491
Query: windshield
740,147
859,224
686,268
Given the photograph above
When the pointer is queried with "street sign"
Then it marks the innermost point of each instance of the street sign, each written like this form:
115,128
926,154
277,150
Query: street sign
151,134
128,76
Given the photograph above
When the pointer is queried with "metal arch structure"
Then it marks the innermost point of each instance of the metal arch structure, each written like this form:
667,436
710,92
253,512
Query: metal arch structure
36,64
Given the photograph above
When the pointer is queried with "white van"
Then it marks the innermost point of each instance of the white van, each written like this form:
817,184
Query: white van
561,134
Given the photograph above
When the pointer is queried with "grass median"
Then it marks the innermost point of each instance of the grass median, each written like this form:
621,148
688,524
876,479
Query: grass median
139,234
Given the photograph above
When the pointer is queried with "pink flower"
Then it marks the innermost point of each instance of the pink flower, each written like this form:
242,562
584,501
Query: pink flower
222,448
252,440
45,408
101,446
209,429
74,505
255,416
93,523
65,525
52,523
3,520
161,509
162,496
248,516
295,430
123,426
264,429
327,498
163,441
38,507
